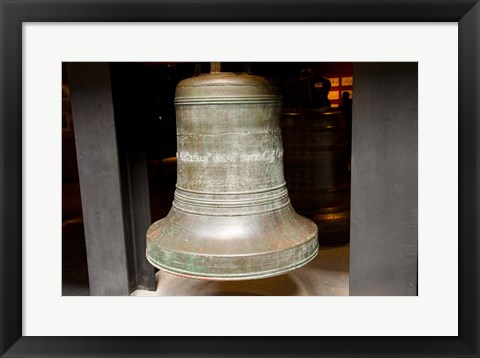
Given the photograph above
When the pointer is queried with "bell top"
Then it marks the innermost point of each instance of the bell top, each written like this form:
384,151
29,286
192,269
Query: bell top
226,85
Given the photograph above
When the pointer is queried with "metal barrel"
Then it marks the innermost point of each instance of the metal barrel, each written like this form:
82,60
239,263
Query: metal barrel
316,161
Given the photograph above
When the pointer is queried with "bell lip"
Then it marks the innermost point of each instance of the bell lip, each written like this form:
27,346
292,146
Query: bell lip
238,276
273,257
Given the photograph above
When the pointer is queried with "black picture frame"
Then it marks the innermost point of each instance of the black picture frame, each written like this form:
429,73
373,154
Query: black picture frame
14,13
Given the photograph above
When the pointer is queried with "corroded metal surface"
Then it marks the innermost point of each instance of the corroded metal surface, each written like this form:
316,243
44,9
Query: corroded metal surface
326,275
316,168
231,217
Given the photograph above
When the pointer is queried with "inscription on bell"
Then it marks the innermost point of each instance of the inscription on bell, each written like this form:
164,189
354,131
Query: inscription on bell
268,156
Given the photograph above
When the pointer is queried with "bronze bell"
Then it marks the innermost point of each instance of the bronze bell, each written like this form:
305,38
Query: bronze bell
231,217
316,162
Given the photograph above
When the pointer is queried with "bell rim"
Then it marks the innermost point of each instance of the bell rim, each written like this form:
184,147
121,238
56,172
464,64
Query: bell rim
239,276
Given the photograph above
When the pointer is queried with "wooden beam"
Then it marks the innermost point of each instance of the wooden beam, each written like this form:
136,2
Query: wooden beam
384,199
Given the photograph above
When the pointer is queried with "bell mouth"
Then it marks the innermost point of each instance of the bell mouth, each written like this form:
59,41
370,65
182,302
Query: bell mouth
232,248
280,262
